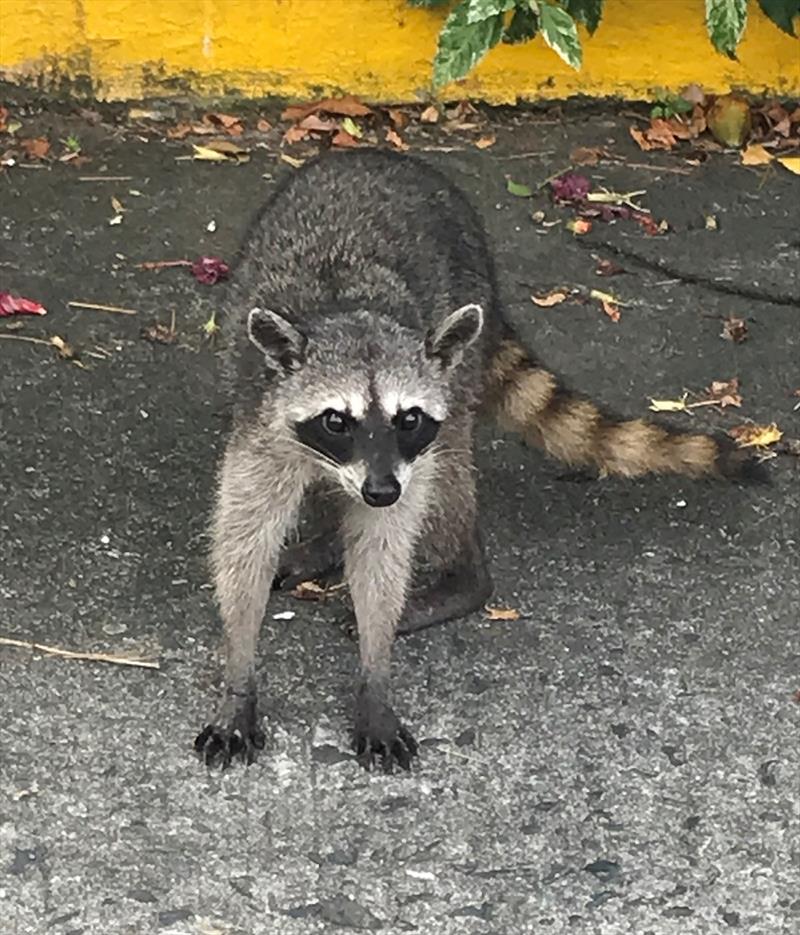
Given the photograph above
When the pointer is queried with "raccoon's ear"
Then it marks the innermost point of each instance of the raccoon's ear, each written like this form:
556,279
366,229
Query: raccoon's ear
451,337
283,346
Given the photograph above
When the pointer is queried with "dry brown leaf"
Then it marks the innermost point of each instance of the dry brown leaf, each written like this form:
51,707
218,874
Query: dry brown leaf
393,137
292,161
486,141
611,310
608,268
549,299
724,393
610,303
755,436
756,155
398,117
317,124
345,106
734,329
36,148
295,135
587,155
502,613
430,115
117,205
657,136
344,139
694,94
308,591
159,333
263,125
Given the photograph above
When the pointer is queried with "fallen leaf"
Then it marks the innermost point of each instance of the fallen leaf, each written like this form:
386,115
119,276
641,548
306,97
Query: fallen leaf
538,216
227,121
158,333
65,350
669,405
295,135
4,112
587,155
221,151
36,148
609,303
570,187
792,163
755,436
485,141
729,120
210,269
116,204
518,189
724,393
430,115
292,161
317,124
345,106
350,126
398,117
711,223
549,299
344,139
16,305
608,268
649,223
734,329
308,591
393,137
656,137
263,125
501,613
578,226
756,155
182,130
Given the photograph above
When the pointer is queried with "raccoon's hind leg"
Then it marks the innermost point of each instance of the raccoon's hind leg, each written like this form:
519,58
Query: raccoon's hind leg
453,578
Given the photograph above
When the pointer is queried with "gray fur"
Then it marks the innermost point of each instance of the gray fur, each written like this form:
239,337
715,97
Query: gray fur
365,280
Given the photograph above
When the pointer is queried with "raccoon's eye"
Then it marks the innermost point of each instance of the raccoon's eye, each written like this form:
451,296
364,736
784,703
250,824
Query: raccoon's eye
410,420
334,422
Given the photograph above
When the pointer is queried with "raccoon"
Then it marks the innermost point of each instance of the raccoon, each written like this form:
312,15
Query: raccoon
366,338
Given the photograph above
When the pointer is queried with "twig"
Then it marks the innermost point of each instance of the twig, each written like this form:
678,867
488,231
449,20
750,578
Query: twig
643,165
87,657
553,177
530,155
105,178
162,264
103,308
23,337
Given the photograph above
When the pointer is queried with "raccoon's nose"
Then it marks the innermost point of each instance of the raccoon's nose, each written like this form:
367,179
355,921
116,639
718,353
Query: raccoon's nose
381,491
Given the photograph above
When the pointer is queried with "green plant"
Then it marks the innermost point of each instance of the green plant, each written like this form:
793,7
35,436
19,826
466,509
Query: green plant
670,105
473,27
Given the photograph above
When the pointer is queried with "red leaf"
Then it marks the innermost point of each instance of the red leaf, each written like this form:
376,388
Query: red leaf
16,305
210,269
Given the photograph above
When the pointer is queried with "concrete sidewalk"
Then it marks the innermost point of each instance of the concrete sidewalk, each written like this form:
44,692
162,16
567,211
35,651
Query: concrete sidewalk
622,759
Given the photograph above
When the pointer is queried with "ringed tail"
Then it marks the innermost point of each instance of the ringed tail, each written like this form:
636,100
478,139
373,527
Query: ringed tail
527,399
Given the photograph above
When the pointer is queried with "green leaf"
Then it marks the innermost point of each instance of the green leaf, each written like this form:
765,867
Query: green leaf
560,33
428,4
782,13
462,44
516,188
478,10
350,126
725,20
588,12
523,26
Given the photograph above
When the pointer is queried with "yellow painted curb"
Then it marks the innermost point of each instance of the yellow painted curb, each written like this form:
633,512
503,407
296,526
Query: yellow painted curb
379,49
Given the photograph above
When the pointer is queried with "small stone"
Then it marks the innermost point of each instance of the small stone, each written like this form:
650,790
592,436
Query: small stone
171,916
347,913
141,896
731,918
466,738
678,912
604,870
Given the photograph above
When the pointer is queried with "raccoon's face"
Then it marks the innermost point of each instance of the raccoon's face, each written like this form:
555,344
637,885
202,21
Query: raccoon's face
372,450
367,408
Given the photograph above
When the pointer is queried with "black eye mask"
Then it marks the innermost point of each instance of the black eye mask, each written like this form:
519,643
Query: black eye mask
343,439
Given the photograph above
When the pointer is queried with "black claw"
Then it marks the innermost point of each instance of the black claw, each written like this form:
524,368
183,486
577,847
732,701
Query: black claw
221,746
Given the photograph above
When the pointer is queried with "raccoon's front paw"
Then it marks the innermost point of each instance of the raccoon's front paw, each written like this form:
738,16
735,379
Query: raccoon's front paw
235,734
379,737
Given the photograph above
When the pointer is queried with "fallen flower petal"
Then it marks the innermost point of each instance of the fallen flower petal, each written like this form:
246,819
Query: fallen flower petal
570,187
16,305
210,269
